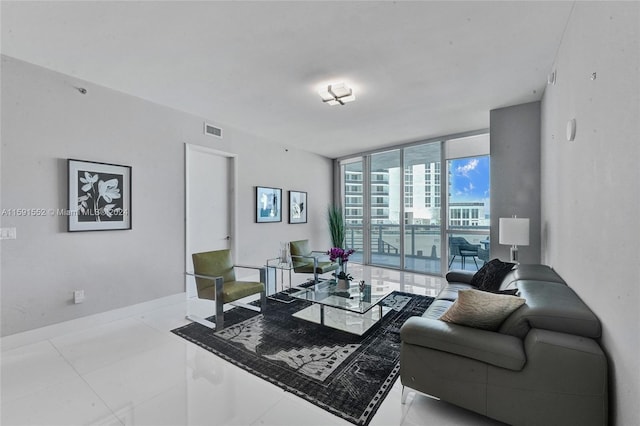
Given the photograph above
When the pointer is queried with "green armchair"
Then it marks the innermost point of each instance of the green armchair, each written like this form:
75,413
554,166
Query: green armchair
306,261
214,272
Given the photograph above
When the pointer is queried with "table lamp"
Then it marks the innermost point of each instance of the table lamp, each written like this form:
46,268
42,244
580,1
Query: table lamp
514,231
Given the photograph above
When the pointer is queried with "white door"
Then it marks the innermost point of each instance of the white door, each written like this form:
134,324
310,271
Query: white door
208,204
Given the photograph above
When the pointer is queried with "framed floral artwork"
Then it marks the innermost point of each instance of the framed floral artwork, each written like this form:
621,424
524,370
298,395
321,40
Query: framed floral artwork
99,196
297,207
268,204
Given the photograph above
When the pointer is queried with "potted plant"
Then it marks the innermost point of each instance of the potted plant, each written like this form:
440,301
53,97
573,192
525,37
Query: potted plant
336,226
341,256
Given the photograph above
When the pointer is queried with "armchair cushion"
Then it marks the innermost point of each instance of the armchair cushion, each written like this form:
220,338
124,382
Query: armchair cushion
216,263
232,290
480,309
323,268
303,259
300,248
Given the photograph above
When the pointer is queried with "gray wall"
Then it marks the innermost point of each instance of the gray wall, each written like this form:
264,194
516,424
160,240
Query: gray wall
45,120
515,175
591,186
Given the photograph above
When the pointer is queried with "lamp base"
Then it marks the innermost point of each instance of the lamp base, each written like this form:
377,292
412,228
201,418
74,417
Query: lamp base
514,254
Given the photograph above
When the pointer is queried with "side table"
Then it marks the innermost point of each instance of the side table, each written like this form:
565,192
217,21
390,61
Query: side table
273,266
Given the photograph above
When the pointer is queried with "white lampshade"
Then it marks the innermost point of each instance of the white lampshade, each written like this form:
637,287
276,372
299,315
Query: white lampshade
514,231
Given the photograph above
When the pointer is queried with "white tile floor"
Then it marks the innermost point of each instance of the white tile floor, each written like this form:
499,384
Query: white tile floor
124,367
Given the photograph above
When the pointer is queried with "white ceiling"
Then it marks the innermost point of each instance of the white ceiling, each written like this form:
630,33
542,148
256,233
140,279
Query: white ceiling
419,69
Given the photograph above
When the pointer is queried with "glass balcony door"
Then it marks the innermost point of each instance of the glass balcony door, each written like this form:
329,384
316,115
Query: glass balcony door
393,208
353,202
468,213
423,208
414,207
385,212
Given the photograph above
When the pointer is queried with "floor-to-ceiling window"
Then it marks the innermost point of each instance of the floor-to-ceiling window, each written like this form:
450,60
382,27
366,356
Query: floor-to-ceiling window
385,199
400,210
352,172
423,208
468,202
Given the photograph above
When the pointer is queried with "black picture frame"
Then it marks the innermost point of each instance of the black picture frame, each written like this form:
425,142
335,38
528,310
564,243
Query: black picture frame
268,204
99,196
298,207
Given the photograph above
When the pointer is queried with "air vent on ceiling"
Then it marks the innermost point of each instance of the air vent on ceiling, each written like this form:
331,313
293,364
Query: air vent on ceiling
212,130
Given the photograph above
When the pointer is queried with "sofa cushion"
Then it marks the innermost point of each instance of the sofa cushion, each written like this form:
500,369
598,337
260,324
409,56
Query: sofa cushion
551,306
460,276
437,308
530,272
480,309
490,276
482,345
450,291
510,292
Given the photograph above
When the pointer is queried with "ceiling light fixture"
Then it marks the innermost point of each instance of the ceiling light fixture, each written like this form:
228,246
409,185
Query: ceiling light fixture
337,94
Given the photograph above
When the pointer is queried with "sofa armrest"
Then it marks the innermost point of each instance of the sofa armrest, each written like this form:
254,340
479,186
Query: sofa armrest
487,346
459,276
565,382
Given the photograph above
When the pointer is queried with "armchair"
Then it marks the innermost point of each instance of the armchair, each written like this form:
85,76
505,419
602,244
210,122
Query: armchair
459,246
484,253
215,277
305,261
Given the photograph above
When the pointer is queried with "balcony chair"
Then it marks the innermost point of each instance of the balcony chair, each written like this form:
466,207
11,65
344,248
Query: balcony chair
484,252
459,246
306,261
215,276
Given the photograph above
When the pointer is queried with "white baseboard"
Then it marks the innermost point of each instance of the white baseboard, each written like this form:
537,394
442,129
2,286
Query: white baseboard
47,332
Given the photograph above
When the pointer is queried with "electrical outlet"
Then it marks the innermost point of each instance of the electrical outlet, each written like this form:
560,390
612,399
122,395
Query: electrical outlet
78,296
7,233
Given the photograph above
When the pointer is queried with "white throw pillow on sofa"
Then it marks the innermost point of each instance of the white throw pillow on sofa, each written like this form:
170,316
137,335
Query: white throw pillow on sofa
480,309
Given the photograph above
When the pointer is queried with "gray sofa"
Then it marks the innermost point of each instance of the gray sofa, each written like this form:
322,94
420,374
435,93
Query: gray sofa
543,366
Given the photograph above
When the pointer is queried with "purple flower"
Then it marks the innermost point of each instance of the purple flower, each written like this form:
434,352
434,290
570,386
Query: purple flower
336,253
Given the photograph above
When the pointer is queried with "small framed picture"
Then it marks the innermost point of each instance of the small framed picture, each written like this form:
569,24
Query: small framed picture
268,204
99,196
297,207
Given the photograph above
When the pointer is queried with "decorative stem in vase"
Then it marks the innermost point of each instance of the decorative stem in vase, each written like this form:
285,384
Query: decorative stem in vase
343,265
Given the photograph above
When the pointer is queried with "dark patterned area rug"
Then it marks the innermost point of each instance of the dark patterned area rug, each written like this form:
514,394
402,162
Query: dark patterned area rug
345,374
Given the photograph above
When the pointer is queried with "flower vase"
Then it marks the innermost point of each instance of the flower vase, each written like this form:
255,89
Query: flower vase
361,286
343,266
285,253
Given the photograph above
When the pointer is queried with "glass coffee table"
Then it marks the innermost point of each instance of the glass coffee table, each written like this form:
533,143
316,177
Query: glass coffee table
343,307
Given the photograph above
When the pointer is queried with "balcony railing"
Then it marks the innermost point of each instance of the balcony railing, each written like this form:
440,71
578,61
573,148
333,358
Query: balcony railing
422,246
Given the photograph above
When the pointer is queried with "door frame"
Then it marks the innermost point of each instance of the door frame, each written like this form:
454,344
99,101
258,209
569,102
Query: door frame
232,198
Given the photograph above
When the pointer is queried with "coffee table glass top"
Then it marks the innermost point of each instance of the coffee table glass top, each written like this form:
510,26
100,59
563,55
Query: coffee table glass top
348,298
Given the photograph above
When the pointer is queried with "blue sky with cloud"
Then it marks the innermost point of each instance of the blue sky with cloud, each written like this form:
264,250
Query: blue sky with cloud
470,180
